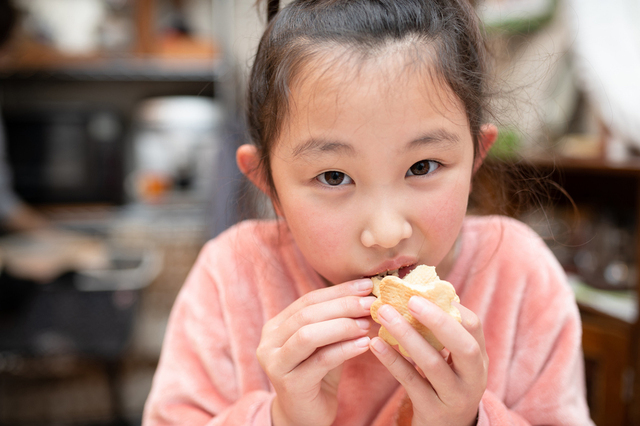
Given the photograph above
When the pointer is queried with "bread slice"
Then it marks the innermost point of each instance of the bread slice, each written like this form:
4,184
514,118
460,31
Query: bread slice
422,281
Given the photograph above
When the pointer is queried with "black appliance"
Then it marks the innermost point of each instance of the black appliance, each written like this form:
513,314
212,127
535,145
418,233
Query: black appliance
69,153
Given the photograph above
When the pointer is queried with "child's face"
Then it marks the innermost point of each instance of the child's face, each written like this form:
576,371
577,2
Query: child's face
373,170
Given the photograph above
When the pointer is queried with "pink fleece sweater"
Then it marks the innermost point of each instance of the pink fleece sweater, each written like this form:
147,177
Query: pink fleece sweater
208,373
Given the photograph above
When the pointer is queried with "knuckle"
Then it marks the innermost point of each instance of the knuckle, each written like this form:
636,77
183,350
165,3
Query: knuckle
264,357
260,354
347,328
404,331
407,376
472,351
347,304
304,336
302,317
310,298
267,328
430,363
473,323
322,358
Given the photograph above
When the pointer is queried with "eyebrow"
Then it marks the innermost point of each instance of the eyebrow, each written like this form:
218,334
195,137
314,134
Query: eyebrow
323,146
314,145
438,137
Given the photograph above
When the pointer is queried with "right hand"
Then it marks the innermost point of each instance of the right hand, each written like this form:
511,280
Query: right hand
303,348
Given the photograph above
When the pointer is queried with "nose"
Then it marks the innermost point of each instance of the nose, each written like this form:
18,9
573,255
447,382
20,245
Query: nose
386,229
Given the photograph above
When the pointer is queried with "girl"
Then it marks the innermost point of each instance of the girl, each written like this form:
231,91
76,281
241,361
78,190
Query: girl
367,119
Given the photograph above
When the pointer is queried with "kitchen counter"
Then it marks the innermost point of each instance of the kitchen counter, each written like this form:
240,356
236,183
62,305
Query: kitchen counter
109,389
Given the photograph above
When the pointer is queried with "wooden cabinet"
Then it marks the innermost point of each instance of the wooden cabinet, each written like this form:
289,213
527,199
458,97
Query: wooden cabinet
607,352
610,344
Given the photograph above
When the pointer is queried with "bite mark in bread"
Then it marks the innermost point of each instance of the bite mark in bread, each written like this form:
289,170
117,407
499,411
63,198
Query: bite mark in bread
378,279
422,281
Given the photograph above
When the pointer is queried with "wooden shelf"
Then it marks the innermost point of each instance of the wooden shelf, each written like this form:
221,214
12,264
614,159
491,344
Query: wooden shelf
179,60
150,56
595,165
119,69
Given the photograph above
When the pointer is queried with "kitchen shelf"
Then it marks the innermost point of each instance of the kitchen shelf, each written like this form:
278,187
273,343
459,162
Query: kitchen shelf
119,69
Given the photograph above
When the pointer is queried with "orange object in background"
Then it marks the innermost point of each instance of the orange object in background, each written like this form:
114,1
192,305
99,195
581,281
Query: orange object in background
152,187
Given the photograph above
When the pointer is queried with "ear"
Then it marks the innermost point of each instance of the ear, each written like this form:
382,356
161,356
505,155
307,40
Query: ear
488,136
248,162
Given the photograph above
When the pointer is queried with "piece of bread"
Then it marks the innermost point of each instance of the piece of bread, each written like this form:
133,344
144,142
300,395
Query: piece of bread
378,279
422,281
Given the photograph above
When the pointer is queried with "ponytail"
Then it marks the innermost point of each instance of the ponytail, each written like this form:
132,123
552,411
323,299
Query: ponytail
272,9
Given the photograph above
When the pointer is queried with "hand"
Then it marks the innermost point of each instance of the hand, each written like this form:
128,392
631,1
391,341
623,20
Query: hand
303,348
444,390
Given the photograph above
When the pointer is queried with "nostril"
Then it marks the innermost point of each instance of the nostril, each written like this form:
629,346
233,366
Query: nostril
367,238
407,230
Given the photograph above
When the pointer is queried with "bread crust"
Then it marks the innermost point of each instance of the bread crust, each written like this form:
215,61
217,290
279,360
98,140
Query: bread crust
424,282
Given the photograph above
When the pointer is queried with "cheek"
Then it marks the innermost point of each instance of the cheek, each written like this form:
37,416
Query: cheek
442,216
446,217
318,234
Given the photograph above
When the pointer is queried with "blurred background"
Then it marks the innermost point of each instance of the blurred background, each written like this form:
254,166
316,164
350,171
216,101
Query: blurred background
119,124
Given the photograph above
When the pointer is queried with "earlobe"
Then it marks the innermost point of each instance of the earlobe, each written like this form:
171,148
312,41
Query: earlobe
488,136
248,162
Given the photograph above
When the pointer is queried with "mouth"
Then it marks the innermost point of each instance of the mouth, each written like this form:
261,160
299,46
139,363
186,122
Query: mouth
401,272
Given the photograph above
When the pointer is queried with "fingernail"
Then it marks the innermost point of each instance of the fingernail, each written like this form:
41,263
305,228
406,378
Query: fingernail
363,323
387,313
362,342
363,284
379,346
366,302
418,305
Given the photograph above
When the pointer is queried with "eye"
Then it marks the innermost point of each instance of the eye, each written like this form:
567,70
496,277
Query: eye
334,178
423,167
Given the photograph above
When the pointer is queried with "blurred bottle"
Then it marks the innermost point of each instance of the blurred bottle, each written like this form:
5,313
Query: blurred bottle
175,148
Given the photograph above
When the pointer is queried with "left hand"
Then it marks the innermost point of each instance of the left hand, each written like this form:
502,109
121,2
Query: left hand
447,392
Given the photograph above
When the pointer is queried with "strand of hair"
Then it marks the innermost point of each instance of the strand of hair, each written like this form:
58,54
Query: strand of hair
272,9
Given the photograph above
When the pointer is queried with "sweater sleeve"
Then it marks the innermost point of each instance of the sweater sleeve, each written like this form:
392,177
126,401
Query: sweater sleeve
200,379
545,379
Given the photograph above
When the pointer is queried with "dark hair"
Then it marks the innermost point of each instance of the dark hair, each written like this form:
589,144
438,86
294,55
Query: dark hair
8,18
446,30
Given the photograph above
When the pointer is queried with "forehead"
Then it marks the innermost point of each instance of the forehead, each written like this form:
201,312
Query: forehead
339,85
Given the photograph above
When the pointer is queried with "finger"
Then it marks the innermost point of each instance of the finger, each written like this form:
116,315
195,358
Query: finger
466,353
316,367
405,373
360,288
425,356
472,324
309,338
344,307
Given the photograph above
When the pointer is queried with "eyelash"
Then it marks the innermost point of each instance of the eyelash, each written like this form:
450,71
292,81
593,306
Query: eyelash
429,168
324,178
